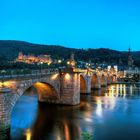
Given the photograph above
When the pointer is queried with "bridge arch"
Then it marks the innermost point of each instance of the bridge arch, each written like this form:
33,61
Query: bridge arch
83,85
95,82
47,90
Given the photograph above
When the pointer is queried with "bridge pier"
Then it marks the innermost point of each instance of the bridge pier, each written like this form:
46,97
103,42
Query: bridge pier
85,84
5,111
88,82
109,80
103,81
70,87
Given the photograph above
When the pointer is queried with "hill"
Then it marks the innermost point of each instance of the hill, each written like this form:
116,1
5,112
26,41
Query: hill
9,50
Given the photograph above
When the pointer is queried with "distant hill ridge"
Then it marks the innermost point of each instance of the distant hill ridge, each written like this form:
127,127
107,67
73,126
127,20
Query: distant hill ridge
9,50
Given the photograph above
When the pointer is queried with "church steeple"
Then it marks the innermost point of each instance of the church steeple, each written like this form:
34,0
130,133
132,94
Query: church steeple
130,60
129,51
71,62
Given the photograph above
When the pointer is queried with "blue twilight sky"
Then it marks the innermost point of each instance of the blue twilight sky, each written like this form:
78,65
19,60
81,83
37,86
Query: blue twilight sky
73,23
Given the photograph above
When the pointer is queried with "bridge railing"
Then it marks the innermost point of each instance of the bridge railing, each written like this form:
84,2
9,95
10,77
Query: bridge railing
25,74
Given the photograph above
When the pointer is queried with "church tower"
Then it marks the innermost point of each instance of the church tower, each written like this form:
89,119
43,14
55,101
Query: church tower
71,62
130,60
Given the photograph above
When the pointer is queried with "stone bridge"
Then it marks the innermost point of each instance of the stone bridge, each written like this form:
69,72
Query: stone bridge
58,87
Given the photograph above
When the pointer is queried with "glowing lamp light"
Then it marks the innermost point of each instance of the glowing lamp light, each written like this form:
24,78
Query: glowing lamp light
49,63
54,76
68,62
1,84
59,61
67,76
6,84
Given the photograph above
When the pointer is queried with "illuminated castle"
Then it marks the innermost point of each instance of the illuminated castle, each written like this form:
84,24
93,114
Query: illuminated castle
31,59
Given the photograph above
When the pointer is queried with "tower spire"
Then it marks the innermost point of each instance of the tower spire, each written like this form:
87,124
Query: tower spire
130,60
71,62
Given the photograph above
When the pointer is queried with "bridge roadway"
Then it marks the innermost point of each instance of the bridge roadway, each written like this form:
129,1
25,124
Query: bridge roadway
53,86
131,72
31,74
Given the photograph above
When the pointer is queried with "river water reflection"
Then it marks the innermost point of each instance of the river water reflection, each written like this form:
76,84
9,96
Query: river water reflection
112,113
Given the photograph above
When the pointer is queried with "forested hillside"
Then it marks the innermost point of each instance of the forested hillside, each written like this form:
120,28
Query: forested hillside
9,51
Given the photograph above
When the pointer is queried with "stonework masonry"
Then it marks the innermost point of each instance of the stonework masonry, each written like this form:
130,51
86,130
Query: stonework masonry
58,88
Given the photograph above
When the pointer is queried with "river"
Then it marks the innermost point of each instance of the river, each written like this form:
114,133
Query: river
112,113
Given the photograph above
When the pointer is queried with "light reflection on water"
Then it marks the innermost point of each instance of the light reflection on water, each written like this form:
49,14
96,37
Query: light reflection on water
28,134
112,113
